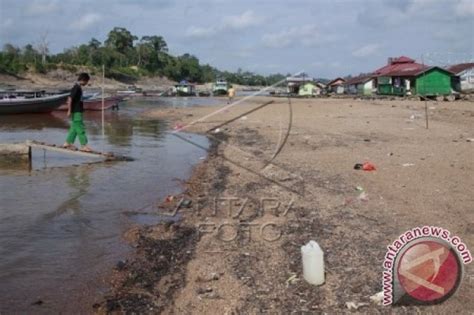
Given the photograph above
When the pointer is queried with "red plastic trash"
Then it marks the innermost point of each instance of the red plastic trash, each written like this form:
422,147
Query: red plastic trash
367,166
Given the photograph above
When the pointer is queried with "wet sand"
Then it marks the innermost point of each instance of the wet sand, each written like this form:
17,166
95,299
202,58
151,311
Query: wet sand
235,251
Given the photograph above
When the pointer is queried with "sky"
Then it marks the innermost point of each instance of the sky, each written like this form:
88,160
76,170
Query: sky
324,38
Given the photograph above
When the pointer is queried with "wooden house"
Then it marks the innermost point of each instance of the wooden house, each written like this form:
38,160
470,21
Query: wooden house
362,85
427,81
464,79
336,86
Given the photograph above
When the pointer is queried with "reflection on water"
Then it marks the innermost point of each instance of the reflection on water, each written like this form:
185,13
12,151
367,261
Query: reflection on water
60,225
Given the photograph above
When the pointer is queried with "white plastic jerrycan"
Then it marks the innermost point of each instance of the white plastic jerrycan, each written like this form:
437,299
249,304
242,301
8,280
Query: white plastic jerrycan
313,263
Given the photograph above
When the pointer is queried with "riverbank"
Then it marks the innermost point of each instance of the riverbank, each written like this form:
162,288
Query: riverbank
63,79
237,249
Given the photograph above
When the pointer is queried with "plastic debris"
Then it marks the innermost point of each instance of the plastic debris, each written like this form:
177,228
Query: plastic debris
217,130
354,305
178,126
244,118
185,203
292,279
359,188
169,198
377,298
363,196
313,263
470,139
367,166
408,164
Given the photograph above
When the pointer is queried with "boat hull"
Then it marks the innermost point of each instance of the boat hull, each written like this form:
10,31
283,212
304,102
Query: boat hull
33,105
96,104
219,92
182,93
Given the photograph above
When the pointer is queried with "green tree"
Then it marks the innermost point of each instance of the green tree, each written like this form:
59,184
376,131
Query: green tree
120,39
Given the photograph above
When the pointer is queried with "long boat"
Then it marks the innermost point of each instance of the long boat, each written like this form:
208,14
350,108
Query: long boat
95,104
40,102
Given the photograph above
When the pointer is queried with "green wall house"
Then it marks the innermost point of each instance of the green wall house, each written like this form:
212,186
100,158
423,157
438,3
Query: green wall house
433,82
430,81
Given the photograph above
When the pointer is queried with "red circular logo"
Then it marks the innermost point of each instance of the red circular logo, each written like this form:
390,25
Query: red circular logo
429,271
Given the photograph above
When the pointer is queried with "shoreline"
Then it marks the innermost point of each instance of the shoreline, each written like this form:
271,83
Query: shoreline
219,270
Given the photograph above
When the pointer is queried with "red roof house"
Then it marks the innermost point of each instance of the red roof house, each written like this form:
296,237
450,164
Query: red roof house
399,65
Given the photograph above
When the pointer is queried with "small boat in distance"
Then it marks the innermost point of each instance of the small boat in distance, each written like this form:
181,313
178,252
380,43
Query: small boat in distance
131,90
95,104
184,88
220,87
25,102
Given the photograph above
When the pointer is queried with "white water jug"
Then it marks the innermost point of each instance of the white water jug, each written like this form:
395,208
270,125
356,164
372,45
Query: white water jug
313,263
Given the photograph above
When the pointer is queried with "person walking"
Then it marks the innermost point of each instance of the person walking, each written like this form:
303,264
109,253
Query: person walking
75,110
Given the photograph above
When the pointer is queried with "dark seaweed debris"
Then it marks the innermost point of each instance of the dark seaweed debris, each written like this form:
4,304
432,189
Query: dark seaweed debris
144,288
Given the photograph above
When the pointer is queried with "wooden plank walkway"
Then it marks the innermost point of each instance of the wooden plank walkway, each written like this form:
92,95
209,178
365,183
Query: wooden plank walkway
106,156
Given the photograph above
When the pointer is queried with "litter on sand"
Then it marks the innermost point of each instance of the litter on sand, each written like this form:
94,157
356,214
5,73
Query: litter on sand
178,126
377,298
363,196
408,164
367,166
354,305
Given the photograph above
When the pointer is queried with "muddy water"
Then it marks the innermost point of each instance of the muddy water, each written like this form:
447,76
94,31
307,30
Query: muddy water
61,222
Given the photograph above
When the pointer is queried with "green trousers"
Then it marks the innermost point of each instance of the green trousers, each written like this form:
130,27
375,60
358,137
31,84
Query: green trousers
77,129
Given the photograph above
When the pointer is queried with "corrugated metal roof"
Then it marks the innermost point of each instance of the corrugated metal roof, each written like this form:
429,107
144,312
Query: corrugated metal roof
399,64
460,67
335,80
359,79
411,72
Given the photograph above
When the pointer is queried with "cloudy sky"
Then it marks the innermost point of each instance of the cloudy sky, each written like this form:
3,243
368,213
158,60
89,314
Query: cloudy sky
325,38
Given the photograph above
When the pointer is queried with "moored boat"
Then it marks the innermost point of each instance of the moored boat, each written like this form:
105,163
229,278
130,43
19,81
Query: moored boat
25,102
220,88
95,104
184,88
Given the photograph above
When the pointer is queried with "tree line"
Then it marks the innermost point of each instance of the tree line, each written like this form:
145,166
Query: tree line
125,57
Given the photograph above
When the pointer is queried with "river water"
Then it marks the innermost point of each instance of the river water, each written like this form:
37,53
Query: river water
61,223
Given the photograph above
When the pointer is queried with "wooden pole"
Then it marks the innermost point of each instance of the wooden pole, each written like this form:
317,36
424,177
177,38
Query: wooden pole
424,88
103,100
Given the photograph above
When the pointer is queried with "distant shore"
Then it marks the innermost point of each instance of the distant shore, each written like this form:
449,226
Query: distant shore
61,79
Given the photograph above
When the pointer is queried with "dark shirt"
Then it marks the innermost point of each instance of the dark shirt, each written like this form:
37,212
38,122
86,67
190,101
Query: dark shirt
76,99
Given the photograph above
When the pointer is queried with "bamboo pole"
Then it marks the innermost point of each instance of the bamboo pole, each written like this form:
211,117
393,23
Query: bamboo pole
424,88
103,101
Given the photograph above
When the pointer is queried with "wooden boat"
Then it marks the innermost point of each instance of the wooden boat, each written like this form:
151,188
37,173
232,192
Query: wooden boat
184,88
220,88
95,104
204,93
23,102
130,91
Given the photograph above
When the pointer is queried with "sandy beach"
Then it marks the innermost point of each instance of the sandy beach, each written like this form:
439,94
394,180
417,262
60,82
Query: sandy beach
283,175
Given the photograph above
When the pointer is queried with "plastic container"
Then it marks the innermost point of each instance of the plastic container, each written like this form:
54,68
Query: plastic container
313,263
